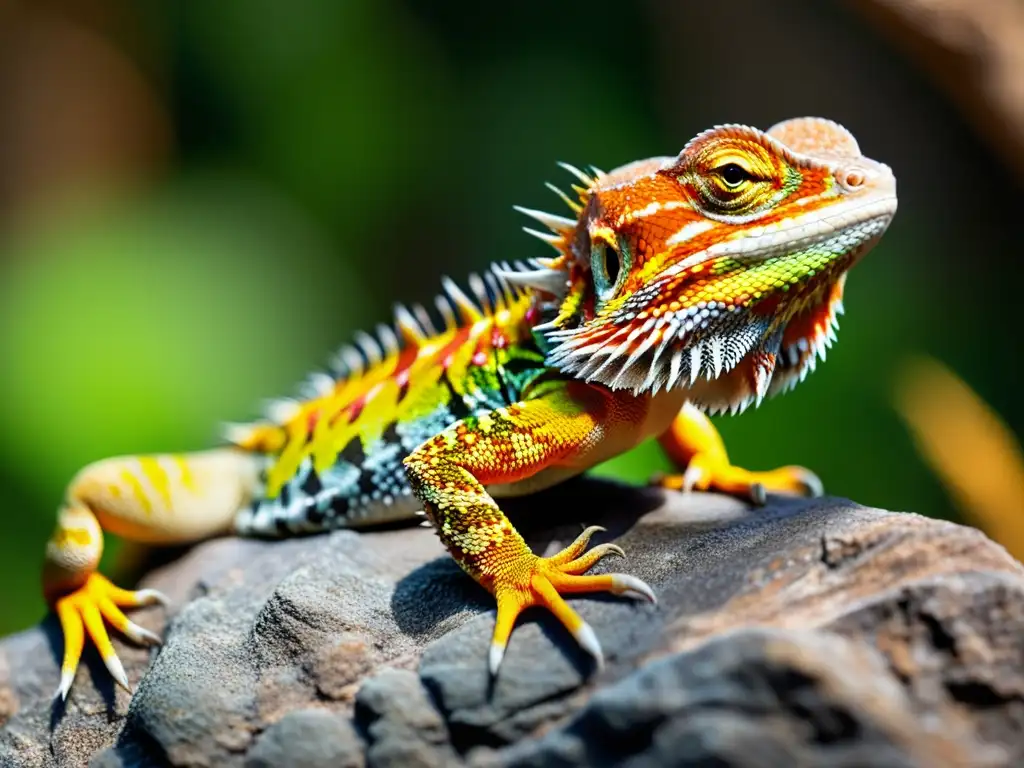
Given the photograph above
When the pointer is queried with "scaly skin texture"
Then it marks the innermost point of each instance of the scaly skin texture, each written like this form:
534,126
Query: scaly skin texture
681,286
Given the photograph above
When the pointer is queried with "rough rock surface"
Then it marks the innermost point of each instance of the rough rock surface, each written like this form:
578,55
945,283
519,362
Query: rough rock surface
804,633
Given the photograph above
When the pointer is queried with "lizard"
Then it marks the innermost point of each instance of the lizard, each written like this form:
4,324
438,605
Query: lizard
682,286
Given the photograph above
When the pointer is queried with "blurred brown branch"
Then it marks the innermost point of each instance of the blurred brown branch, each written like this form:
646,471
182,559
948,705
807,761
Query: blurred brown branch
974,50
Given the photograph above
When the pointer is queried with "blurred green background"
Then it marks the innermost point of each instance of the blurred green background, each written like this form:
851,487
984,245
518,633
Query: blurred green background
200,200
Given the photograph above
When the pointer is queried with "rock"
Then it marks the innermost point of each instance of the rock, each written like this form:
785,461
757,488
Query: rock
307,738
806,632
750,698
404,728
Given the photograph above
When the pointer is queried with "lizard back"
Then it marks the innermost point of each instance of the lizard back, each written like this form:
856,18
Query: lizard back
334,456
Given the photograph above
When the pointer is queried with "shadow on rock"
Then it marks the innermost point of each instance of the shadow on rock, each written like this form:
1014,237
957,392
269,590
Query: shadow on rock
550,520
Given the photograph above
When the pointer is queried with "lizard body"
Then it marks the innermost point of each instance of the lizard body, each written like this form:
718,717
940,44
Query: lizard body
681,286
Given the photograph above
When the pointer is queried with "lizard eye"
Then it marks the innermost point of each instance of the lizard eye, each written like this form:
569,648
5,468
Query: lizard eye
609,266
733,175
729,186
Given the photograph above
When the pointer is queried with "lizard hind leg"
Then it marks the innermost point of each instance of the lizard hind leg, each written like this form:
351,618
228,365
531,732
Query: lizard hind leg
148,499
83,599
693,442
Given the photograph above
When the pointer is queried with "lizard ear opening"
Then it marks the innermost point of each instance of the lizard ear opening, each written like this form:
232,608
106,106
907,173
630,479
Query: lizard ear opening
609,265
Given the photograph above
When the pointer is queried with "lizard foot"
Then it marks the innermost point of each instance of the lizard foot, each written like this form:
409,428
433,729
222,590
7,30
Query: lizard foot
84,610
542,581
705,473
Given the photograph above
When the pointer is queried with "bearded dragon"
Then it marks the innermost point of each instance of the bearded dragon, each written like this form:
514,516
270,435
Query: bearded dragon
682,286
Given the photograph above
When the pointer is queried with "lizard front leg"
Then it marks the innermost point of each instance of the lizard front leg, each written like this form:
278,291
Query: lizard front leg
147,499
449,473
694,445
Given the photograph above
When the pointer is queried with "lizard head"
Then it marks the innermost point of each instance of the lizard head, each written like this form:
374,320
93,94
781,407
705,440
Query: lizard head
720,270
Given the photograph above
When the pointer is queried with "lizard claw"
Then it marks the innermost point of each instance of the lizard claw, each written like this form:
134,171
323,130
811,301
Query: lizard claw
542,581
587,639
758,495
707,474
692,477
494,657
631,586
85,610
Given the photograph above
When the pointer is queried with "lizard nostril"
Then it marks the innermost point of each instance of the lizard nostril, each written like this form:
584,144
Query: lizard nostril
851,178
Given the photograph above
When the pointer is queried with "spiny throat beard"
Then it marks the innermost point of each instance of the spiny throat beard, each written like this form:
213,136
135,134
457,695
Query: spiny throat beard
728,357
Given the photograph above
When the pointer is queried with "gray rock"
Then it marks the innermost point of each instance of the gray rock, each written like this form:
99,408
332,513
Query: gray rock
326,633
402,726
251,651
753,698
307,738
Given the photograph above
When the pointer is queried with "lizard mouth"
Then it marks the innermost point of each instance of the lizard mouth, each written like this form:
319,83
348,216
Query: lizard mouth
644,346
851,223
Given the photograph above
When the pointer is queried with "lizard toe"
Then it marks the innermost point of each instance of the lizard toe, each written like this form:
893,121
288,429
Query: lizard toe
707,474
87,611
543,582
